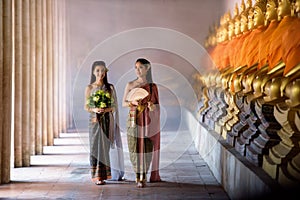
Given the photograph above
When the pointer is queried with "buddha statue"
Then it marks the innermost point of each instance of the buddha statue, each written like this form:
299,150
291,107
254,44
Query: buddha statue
244,22
291,45
284,8
271,23
271,11
244,32
259,14
275,48
252,57
250,19
244,48
237,25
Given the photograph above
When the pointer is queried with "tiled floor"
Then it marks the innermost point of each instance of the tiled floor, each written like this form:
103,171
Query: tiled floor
63,173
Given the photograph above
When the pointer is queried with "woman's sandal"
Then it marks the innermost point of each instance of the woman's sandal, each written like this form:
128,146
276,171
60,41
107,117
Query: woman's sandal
141,184
98,182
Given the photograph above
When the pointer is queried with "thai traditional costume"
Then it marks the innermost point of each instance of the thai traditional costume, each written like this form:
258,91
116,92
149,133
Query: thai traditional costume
103,134
143,135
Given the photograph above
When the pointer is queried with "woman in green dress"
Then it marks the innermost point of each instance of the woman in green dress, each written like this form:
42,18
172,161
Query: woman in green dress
143,125
103,123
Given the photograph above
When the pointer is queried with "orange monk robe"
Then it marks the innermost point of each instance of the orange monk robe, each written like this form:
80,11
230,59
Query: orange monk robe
291,46
237,57
228,53
224,61
264,43
252,50
218,55
275,48
244,50
233,51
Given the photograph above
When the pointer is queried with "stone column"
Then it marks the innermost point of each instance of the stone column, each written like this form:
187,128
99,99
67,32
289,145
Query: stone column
44,74
39,80
62,66
65,68
1,92
17,117
32,9
55,69
25,84
49,68
6,89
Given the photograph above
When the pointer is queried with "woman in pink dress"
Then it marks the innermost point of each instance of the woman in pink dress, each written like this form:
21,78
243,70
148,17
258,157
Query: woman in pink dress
143,125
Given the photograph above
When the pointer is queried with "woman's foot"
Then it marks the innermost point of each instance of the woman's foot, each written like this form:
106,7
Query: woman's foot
155,178
141,184
121,179
100,182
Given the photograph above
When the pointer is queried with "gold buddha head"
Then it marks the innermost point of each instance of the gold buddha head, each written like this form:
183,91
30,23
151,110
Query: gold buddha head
271,11
259,13
250,19
284,8
237,26
224,34
219,35
244,21
230,29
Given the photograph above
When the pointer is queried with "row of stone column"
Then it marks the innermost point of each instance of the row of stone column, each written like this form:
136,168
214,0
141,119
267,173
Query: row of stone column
36,67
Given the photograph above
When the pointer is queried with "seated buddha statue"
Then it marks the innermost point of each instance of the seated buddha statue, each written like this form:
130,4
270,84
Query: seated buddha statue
291,45
244,50
258,29
275,48
243,34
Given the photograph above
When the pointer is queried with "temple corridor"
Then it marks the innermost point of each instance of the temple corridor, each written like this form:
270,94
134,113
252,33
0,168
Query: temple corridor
228,79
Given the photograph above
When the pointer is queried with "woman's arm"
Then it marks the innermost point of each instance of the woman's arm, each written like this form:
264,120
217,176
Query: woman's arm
87,94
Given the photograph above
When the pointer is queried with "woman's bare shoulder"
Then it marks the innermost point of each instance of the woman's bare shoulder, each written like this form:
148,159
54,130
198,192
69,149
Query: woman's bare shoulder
130,84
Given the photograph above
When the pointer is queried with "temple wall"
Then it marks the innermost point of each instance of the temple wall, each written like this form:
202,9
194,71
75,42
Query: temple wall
237,175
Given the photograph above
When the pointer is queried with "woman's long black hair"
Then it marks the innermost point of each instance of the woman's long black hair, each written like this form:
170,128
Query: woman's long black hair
93,77
146,63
